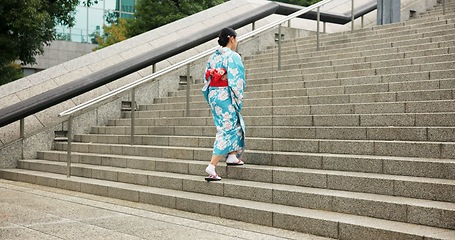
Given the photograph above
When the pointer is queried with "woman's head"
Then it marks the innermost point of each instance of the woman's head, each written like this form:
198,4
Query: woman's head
227,38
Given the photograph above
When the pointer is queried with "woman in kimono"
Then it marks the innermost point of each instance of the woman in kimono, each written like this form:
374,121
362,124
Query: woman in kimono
224,85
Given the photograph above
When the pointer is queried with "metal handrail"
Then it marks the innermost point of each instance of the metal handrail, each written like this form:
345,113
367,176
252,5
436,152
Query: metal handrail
189,60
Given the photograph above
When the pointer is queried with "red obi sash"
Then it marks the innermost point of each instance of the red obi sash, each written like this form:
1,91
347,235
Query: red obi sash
218,77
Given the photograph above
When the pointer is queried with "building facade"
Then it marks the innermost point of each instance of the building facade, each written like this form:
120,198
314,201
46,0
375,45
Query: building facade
80,39
90,19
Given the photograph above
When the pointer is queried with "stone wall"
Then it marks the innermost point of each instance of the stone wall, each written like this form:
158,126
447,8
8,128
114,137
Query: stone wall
57,53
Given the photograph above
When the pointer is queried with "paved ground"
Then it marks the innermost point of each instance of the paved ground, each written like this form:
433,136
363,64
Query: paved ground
35,212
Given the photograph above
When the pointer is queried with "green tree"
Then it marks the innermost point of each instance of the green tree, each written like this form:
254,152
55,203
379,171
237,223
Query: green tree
27,25
10,72
151,14
114,33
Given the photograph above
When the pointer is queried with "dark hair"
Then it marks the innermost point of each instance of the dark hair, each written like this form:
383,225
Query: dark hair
225,34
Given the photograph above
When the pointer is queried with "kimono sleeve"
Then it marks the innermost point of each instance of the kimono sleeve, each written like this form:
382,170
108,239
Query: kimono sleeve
206,79
236,78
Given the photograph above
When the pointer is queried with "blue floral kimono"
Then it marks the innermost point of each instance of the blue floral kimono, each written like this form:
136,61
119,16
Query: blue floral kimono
226,102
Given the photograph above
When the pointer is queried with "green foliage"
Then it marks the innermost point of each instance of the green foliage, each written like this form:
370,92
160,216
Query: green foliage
114,33
10,72
304,3
63,36
151,14
89,3
27,25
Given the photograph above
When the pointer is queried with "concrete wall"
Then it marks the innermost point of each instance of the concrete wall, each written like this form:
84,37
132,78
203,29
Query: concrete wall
57,53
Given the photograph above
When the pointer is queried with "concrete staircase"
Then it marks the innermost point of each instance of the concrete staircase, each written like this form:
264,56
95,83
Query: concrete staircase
355,141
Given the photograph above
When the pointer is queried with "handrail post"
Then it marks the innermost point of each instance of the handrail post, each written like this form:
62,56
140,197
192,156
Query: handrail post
253,26
362,20
22,128
352,16
443,7
318,22
70,140
187,112
154,68
279,47
133,113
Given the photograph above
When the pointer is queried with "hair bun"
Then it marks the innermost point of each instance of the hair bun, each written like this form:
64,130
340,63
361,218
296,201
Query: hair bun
225,34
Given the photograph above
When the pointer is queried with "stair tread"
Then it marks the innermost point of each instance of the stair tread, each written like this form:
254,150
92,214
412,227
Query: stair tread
196,92
326,104
273,186
415,29
339,57
340,86
331,172
279,139
411,159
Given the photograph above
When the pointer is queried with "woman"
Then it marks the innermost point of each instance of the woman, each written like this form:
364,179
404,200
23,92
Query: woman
225,83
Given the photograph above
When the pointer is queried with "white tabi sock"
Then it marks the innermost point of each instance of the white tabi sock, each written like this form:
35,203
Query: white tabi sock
232,158
210,170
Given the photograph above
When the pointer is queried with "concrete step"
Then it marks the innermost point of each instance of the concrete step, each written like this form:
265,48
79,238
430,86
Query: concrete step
440,134
429,106
395,133
323,73
305,57
354,57
413,23
393,185
288,79
393,208
385,143
439,11
400,166
362,32
439,55
174,146
293,76
333,49
421,49
381,85
394,59
392,119
294,99
374,41
353,89
298,86
270,59
323,223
